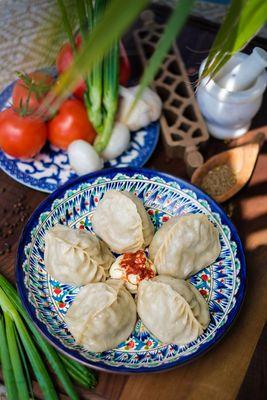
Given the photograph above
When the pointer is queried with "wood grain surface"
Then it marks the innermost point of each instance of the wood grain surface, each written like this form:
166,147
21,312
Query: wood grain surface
219,373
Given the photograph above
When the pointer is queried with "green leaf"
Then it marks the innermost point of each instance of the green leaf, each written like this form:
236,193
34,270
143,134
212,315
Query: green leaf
114,22
230,20
173,28
36,361
94,80
15,359
242,22
25,366
8,374
110,97
81,11
66,23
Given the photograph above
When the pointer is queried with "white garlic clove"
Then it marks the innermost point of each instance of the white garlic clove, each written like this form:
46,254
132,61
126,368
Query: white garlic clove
147,109
118,142
155,103
83,158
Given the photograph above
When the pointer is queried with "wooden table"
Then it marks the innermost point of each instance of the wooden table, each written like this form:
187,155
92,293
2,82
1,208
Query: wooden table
220,373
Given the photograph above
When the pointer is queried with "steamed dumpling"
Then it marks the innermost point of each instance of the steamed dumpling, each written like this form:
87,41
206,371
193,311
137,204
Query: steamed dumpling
197,302
76,257
185,245
167,314
122,222
102,315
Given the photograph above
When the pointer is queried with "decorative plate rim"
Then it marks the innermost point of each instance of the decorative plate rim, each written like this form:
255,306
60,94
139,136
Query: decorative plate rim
155,126
110,174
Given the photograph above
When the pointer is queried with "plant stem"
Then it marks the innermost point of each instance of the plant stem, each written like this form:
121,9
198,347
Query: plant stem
81,11
48,350
82,375
110,100
173,28
25,365
115,20
21,383
95,79
66,23
38,366
8,375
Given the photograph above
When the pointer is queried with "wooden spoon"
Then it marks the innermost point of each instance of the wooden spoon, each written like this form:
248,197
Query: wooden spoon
240,159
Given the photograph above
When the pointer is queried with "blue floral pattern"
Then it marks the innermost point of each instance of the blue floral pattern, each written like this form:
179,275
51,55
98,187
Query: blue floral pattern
50,168
222,284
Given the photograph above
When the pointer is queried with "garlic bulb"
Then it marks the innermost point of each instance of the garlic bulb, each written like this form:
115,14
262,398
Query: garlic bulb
118,142
83,157
146,110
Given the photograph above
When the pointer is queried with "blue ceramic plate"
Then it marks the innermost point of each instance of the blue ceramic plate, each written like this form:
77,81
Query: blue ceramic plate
51,169
46,300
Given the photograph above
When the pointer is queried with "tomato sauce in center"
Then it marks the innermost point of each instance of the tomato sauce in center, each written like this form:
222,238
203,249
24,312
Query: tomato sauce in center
136,264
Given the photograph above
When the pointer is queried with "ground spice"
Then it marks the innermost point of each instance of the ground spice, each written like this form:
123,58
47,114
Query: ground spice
218,180
137,264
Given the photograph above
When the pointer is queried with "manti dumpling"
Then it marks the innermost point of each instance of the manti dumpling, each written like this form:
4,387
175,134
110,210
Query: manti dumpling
76,257
102,315
184,245
121,220
172,309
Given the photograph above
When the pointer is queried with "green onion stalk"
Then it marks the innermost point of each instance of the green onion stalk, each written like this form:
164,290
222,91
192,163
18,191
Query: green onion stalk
7,369
110,98
94,81
18,336
39,367
16,362
101,96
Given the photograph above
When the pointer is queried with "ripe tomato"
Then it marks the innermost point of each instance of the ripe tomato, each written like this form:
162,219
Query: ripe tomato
21,137
125,67
70,123
64,61
30,89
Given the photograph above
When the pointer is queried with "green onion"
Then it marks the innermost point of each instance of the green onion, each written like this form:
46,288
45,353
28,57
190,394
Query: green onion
95,79
25,365
110,99
81,11
52,356
21,383
66,23
6,363
81,374
89,13
38,366
53,359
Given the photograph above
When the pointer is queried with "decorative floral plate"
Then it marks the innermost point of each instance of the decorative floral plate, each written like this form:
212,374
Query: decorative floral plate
46,300
51,169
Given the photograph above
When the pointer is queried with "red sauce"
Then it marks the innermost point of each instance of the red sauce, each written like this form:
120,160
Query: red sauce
136,264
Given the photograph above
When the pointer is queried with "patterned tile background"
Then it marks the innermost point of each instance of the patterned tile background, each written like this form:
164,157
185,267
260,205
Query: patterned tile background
23,45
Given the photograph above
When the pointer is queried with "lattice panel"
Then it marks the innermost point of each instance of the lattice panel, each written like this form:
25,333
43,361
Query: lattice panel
182,125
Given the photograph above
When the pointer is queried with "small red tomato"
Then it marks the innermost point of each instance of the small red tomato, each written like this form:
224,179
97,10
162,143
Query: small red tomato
30,90
125,67
21,136
64,61
70,123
